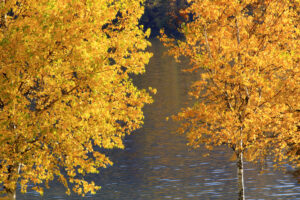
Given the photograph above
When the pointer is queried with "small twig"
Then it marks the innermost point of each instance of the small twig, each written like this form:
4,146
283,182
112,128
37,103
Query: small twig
55,100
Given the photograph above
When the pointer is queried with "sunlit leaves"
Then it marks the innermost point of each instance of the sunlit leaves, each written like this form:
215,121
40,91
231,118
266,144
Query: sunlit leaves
249,89
65,87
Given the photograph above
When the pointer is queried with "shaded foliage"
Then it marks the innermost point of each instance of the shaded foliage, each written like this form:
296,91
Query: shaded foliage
164,14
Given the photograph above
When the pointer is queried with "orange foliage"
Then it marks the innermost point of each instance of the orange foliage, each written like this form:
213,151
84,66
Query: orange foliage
64,87
248,96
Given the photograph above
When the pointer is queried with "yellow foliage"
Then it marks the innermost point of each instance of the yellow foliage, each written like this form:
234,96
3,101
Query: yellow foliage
64,86
248,96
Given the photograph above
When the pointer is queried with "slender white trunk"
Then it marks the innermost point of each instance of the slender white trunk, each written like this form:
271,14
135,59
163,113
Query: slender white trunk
240,169
241,185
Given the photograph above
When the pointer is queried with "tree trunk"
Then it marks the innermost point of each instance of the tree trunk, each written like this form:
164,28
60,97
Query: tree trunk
11,194
240,168
13,171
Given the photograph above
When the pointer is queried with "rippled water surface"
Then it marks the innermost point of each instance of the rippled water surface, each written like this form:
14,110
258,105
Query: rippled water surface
157,164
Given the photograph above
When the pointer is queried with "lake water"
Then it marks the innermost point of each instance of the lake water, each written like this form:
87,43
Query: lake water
156,163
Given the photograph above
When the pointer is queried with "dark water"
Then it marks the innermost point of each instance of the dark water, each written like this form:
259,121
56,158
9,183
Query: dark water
157,164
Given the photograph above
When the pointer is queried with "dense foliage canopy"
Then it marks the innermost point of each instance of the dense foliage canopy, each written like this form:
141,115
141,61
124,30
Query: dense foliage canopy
248,96
65,89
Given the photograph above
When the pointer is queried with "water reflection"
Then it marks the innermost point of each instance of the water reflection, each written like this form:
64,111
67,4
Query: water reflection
157,164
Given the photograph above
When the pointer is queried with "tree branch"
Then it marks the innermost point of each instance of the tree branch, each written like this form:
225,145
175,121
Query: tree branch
55,100
207,44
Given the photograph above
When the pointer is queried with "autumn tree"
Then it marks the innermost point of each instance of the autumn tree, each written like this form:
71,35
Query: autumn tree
65,89
248,96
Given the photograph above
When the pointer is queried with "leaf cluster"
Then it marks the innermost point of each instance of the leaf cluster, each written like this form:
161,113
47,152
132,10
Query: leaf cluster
65,87
248,94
